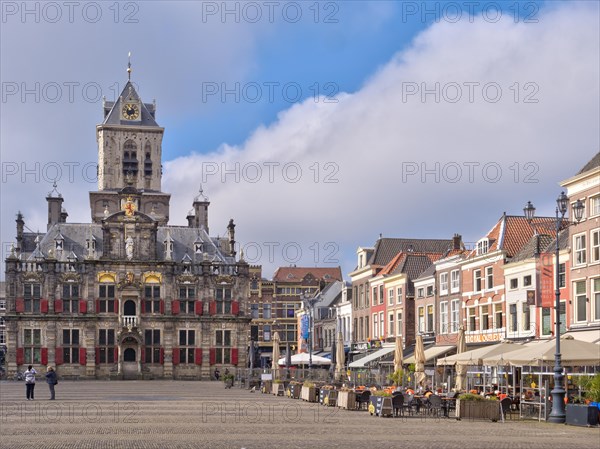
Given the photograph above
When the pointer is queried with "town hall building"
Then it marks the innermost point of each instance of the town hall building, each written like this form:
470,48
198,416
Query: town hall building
127,296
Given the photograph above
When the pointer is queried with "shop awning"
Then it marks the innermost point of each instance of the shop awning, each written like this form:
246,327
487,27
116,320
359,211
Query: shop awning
433,352
591,336
371,357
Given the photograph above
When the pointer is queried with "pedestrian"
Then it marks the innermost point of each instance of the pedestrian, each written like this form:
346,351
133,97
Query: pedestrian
51,380
217,374
30,381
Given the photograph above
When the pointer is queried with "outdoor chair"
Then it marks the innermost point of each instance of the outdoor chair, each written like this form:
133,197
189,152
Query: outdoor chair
363,398
397,404
507,408
434,406
407,403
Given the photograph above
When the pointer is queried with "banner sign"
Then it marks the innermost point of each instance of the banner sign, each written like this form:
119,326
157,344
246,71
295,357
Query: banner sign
546,275
304,326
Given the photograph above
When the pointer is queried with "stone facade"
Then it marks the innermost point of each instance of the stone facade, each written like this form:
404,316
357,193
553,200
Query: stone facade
127,296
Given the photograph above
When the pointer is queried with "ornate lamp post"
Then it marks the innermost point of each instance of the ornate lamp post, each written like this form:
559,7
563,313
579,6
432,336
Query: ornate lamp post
557,415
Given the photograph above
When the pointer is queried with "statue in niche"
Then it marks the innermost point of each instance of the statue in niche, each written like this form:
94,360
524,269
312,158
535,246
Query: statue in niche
129,248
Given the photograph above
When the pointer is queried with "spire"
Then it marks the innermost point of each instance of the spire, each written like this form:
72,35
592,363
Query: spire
129,69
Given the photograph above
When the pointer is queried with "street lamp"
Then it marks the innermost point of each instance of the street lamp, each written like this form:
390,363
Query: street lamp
557,415
309,303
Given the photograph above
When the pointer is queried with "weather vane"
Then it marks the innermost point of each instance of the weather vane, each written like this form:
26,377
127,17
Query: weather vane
129,66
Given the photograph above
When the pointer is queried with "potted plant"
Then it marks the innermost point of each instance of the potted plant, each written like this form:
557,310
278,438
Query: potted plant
396,377
228,380
474,406
278,388
294,388
580,413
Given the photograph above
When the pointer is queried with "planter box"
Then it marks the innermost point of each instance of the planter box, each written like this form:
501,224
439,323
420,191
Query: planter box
309,394
381,406
293,391
346,399
278,389
486,409
329,397
267,387
582,415
228,383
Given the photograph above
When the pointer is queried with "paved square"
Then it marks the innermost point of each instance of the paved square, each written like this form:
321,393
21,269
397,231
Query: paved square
179,414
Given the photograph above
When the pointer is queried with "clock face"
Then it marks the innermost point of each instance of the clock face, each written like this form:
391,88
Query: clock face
130,111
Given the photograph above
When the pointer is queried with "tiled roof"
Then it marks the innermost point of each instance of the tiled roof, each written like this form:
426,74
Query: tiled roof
592,164
387,248
430,271
563,242
534,246
296,274
512,232
113,109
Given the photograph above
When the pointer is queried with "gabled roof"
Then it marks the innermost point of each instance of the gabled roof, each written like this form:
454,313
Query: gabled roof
387,248
430,271
535,246
297,274
512,232
591,165
112,109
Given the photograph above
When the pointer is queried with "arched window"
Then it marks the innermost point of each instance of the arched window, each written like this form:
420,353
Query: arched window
130,162
147,165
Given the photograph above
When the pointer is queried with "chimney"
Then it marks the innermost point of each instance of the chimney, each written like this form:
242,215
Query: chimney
200,206
457,241
20,228
55,210
231,232
190,218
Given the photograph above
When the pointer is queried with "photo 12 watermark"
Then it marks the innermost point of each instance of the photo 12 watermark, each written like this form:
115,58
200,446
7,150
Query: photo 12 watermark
469,92
457,11
262,413
70,12
66,412
270,172
268,91
49,172
59,91
470,172
270,12
289,252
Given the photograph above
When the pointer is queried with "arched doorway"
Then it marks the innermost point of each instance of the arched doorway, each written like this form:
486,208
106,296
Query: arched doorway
129,355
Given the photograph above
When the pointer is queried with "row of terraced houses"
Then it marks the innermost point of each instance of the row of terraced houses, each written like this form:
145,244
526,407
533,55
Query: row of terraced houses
500,288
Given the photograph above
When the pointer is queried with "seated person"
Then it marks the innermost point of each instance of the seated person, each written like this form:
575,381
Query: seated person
410,391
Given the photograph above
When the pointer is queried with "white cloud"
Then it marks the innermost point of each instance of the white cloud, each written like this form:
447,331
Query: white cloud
371,133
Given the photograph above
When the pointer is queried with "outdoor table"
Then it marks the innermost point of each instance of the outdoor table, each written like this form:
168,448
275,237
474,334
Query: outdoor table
446,404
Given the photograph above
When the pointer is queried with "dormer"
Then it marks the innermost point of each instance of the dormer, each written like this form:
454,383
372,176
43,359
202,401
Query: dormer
483,246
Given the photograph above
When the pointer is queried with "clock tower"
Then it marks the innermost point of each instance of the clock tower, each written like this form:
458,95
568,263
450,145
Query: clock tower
129,158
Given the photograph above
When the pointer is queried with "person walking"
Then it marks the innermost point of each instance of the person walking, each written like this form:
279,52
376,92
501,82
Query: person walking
30,381
51,381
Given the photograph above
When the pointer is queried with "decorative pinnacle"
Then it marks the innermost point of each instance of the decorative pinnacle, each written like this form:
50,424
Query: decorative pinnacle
129,69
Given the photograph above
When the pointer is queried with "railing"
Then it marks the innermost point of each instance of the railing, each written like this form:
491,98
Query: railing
130,321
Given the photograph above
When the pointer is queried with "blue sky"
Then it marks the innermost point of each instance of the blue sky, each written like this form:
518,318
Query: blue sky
370,140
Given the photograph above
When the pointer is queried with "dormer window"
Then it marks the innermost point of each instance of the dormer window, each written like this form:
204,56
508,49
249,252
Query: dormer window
482,246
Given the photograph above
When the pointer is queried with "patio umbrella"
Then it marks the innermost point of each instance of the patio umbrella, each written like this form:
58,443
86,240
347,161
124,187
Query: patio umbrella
461,370
303,359
420,361
339,357
288,359
398,355
251,355
275,365
476,356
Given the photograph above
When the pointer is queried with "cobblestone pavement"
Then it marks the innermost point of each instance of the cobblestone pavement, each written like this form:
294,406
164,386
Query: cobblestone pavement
178,414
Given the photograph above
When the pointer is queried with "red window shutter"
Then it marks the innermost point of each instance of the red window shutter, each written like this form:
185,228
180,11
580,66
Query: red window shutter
175,356
20,356
82,306
58,306
20,305
97,306
175,307
198,307
44,306
97,356
234,356
198,356
161,357
44,355
235,307
162,306
213,356
82,356
213,308
117,354
58,356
